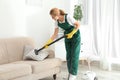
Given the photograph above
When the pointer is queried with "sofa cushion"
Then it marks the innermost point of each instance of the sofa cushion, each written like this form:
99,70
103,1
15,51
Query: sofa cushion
3,52
15,47
10,71
39,66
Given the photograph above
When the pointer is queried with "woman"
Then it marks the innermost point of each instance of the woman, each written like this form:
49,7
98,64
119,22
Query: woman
72,41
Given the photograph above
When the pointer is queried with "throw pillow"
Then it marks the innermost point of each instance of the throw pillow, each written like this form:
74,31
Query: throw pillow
30,54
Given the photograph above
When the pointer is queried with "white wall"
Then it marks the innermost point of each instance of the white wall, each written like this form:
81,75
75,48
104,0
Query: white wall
19,19
12,18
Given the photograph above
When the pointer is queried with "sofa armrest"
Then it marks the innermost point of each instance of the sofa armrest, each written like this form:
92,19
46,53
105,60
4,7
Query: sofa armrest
51,53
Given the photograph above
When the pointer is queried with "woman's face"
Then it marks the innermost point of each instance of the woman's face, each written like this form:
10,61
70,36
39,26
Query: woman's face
55,17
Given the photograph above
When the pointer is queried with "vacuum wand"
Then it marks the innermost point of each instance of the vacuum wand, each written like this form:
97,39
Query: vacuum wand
36,51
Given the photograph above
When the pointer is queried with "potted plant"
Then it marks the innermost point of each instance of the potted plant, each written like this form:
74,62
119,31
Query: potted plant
78,15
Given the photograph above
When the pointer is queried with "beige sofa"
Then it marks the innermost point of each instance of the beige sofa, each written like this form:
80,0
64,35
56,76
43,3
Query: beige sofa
13,67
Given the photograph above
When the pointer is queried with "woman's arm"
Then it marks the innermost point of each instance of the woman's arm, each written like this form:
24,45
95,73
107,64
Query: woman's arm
52,38
77,25
55,33
73,22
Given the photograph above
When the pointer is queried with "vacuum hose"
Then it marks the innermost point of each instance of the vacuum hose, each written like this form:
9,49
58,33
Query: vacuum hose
36,51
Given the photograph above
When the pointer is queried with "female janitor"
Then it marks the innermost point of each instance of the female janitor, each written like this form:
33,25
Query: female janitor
72,41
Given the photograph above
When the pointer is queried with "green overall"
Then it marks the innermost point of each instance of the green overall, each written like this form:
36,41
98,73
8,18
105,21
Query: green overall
72,47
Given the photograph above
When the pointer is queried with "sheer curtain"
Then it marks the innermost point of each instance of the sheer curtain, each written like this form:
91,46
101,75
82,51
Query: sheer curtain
104,20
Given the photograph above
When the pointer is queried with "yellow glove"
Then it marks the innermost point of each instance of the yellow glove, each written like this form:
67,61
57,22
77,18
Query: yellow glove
70,35
48,42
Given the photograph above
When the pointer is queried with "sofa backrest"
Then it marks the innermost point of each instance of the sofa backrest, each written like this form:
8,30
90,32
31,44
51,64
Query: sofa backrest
12,49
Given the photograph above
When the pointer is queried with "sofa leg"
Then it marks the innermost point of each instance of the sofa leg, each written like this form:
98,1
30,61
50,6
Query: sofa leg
54,76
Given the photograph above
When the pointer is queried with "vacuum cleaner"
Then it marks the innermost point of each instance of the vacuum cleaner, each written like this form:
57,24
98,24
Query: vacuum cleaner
89,75
37,50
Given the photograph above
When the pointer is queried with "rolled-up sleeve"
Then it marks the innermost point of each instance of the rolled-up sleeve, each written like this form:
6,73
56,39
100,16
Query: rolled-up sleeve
71,20
56,24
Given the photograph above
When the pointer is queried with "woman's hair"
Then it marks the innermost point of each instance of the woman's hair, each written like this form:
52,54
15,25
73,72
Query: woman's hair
61,12
56,11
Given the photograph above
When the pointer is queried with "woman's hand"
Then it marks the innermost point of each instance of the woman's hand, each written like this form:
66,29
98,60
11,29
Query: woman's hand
70,35
48,42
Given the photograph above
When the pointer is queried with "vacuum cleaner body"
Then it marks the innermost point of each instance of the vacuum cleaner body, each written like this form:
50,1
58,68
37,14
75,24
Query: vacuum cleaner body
89,75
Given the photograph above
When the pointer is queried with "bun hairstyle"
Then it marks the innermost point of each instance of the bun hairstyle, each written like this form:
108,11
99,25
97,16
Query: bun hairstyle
61,12
56,11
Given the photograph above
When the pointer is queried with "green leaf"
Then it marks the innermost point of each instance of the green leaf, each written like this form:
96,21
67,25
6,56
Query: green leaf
78,15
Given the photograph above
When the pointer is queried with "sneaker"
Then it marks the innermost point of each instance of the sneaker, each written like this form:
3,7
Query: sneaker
72,77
